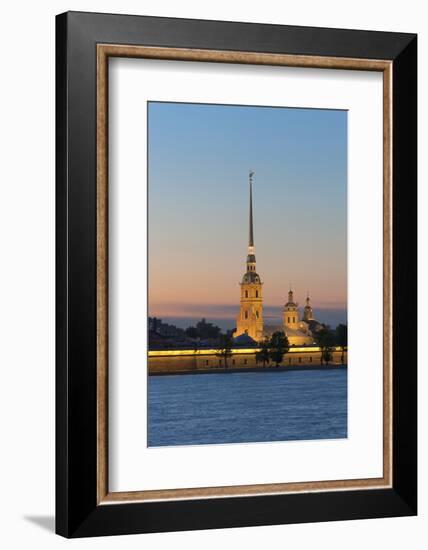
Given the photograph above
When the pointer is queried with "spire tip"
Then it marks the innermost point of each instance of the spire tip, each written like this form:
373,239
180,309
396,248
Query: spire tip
251,235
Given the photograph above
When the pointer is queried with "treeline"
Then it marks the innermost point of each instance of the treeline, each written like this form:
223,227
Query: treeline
327,339
274,348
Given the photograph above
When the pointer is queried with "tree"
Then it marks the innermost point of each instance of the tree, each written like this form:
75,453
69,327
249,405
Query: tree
225,350
279,346
327,354
342,340
325,340
262,355
192,332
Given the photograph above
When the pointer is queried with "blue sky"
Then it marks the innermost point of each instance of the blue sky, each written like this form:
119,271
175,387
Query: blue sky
199,158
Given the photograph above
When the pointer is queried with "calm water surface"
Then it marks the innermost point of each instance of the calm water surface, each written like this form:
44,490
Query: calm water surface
247,407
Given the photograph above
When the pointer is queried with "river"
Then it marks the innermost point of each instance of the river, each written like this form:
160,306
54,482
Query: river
247,407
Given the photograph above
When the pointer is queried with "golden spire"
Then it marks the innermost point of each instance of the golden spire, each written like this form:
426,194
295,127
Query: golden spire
251,236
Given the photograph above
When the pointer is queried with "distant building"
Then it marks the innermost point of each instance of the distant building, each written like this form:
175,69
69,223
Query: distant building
250,317
164,329
166,336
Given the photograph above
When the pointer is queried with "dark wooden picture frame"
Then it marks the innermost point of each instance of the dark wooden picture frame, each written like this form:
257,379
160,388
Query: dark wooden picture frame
84,43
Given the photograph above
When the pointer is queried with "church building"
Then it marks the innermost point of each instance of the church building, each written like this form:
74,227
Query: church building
250,317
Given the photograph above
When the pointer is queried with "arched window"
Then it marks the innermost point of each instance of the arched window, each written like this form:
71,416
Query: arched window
288,319
246,314
257,293
246,294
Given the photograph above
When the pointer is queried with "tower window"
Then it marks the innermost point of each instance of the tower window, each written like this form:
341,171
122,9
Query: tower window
257,314
257,293
288,319
294,319
246,294
246,314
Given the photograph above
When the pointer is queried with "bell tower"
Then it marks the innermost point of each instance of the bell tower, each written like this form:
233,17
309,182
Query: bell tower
291,313
308,314
250,317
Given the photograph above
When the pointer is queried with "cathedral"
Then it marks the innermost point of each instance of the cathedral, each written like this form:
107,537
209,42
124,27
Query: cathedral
250,317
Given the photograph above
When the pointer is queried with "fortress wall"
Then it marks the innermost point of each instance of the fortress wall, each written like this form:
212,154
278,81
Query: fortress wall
199,362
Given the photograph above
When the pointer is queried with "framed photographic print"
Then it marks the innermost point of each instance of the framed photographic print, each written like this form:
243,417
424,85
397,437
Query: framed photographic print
236,274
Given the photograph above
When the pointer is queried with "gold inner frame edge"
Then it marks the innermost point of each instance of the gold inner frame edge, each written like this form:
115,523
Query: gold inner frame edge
104,51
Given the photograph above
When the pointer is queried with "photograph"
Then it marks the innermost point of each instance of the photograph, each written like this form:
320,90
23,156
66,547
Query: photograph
247,274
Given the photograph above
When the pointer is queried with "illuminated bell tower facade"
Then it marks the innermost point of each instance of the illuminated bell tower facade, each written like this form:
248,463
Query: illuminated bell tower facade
250,317
291,313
